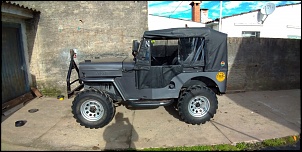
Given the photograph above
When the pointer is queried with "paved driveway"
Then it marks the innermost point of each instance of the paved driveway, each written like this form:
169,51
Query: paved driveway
241,117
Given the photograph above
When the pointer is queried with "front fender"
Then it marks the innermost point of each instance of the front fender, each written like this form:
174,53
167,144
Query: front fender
102,80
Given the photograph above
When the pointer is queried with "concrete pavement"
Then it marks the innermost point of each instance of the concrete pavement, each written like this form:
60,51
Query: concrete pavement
241,117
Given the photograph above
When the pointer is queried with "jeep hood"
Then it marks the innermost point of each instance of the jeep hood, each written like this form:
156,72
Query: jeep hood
107,64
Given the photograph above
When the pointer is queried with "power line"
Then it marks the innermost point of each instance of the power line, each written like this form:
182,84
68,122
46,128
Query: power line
175,9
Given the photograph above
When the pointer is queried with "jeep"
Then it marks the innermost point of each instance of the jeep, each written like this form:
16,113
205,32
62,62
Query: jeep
183,67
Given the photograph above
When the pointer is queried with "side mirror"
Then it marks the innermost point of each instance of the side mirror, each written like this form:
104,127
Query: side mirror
135,46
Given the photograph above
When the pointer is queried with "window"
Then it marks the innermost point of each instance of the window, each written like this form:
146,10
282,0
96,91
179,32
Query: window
191,51
293,37
163,52
250,34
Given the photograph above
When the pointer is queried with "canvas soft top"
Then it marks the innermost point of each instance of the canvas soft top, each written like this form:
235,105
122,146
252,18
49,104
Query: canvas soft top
215,49
174,33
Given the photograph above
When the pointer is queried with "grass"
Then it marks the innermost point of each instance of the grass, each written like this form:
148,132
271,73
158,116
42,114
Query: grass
50,92
289,140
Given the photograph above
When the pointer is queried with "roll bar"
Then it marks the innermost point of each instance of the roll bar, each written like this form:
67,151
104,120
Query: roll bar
72,66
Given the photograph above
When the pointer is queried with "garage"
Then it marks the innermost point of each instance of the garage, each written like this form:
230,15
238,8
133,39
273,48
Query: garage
15,73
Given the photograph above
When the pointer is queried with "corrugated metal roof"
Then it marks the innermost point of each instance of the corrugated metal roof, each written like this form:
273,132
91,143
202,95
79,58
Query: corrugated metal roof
21,6
217,19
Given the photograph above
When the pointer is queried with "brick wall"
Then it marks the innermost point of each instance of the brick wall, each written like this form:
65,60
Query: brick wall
95,28
263,64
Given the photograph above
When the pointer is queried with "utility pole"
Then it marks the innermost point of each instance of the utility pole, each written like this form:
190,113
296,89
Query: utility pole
220,16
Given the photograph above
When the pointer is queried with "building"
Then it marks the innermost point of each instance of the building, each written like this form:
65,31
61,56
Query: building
38,36
284,22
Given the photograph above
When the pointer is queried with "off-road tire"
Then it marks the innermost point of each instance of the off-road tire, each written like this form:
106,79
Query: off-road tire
197,105
93,109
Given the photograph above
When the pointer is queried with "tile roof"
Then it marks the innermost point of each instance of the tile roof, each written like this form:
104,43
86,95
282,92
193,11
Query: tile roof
20,6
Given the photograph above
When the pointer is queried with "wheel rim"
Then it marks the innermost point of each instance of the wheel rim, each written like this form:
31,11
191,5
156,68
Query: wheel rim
92,110
199,106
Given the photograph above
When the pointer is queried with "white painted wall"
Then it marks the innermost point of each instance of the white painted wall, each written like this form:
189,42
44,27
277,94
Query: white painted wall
284,21
159,22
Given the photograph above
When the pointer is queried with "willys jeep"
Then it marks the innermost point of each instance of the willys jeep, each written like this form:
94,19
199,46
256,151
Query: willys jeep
182,67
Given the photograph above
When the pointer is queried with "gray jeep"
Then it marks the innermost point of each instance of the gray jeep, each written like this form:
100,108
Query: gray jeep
185,67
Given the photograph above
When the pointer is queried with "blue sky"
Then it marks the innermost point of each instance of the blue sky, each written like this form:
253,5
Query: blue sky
182,9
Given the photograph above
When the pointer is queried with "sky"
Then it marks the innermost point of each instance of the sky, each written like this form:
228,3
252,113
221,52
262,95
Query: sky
182,9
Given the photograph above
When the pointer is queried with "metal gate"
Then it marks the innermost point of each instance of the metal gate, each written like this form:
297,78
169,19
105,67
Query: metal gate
13,69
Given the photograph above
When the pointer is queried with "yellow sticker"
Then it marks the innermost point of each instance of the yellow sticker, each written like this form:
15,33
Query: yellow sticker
220,76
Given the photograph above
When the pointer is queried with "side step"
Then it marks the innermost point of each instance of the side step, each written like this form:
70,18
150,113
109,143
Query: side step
148,103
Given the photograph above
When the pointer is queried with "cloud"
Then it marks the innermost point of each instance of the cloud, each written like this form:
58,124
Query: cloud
257,5
204,3
232,4
166,8
182,9
292,2
182,16
215,7
215,15
152,3
254,5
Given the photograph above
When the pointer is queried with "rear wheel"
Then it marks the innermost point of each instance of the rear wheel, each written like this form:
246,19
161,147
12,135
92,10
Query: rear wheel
197,104
93,109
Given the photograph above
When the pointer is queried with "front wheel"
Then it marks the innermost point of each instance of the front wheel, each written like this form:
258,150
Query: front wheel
197,104
93,109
